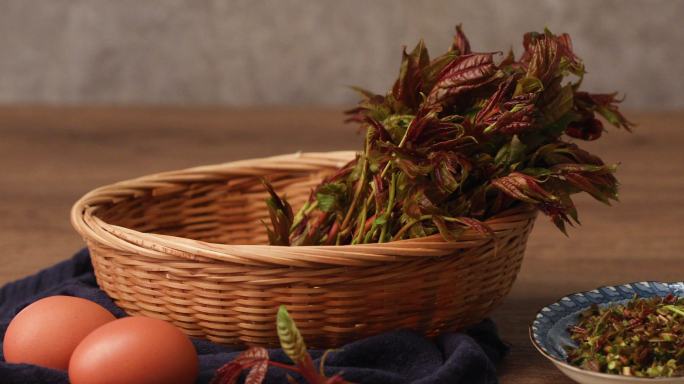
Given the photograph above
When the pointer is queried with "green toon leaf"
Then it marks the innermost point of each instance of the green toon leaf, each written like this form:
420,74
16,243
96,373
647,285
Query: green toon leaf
291,341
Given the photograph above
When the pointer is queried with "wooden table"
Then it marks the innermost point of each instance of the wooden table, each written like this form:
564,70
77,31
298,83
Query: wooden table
51,156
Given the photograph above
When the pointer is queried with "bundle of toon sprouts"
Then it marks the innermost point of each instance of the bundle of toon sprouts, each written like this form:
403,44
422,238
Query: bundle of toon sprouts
458,139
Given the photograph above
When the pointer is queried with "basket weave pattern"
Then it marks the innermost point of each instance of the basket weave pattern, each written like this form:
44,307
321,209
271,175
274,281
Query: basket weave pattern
188,247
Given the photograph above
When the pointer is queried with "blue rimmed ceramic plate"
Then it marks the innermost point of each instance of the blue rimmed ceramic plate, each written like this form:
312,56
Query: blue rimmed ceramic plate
549,332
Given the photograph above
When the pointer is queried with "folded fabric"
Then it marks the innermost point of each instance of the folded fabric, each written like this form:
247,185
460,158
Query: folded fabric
398,357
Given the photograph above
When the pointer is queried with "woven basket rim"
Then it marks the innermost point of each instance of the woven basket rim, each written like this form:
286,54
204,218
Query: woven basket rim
156,245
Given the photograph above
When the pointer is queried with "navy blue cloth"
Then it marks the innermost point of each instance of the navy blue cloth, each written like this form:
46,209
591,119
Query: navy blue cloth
398,357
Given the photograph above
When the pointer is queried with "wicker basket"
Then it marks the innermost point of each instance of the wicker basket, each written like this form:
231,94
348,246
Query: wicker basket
187,247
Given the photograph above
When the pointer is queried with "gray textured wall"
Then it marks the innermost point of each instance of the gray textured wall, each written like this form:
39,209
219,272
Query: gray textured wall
305,52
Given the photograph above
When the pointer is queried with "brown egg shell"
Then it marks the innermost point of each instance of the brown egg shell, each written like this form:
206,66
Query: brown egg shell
135,350
47,331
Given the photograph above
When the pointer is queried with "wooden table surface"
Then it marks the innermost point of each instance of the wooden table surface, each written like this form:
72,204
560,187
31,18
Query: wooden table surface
50,156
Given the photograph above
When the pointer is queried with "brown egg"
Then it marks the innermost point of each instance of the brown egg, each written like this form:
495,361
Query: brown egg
134,350
47,331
